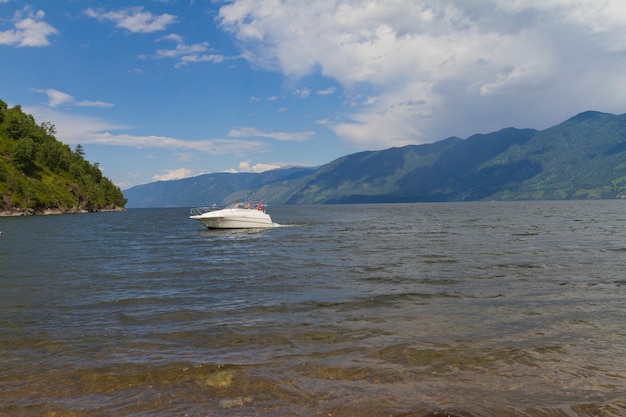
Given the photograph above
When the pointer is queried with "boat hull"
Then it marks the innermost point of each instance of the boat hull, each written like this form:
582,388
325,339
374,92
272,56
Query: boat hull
235,218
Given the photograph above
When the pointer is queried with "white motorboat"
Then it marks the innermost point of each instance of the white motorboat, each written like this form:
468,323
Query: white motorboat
248,215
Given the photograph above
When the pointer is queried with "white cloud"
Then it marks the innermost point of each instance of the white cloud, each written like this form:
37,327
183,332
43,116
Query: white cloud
254,99
209,146
134,19
89,103
450,65
175,174
363,100
302,92
393,122
247,132
188,53
71,129
30,30
57,98
606,18
74,129
247,167
326,92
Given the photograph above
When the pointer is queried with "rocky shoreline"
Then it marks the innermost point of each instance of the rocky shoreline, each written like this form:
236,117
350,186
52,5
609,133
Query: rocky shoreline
53,211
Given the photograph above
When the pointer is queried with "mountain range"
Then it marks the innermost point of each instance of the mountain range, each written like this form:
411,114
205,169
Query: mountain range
583,157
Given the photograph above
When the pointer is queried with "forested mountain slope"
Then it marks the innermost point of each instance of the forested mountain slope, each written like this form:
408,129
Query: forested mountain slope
583,157
39,174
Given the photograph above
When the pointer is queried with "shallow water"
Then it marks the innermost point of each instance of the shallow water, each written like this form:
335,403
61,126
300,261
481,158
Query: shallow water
467,309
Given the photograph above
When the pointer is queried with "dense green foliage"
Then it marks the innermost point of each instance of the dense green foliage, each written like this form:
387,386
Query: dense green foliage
583,157
37,172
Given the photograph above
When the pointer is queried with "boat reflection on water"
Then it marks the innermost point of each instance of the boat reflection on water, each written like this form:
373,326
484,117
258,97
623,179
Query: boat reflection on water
246,215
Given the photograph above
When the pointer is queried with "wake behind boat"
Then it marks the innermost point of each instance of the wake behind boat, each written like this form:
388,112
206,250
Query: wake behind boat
247,215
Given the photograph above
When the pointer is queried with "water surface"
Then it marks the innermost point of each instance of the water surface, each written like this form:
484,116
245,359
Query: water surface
466,309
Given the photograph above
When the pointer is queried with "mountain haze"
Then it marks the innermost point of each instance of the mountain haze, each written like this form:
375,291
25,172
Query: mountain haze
219,188
583,157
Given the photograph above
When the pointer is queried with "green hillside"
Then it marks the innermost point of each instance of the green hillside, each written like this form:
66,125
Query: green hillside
581,158
40,174
442,171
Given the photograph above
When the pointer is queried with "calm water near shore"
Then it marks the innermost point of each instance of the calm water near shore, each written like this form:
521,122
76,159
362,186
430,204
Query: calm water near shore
465,309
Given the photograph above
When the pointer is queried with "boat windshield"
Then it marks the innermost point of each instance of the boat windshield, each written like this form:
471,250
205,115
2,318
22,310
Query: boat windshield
246,205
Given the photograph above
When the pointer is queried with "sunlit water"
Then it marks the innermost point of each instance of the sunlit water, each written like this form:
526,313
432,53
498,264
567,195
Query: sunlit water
468,309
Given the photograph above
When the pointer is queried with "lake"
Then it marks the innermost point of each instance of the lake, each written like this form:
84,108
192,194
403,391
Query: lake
455,309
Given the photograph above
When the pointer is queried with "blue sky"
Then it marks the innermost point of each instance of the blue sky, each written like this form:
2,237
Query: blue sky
158,90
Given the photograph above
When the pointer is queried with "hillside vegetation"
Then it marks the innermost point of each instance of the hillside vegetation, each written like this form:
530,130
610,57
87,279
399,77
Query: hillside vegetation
40,174
582,158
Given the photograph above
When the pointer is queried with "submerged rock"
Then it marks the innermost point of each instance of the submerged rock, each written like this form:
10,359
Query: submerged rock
235,402
220,379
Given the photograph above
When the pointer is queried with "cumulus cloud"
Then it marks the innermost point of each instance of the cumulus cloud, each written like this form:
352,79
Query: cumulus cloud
175,174
29,30
134,19
605,18
448,65
247,167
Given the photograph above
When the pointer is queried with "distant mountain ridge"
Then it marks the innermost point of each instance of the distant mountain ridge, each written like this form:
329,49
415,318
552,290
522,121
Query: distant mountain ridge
583,157
218,188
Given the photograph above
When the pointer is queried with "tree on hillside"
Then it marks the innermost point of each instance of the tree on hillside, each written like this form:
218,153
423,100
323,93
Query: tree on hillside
78,150
38,172
17,124
23,153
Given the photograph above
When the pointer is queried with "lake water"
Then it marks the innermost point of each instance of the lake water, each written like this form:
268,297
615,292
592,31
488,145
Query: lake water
466,309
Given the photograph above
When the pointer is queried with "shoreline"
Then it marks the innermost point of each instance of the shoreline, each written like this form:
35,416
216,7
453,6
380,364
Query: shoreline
53,212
